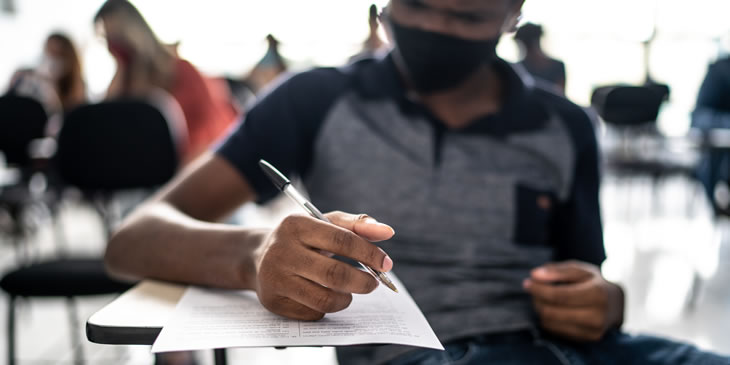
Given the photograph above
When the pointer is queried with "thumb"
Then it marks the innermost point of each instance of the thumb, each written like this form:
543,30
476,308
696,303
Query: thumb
362,225
562,272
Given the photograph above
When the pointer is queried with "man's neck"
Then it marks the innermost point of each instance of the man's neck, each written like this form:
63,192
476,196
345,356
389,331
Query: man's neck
478,96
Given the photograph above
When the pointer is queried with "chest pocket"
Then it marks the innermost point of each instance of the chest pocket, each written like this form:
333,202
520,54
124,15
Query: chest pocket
533,214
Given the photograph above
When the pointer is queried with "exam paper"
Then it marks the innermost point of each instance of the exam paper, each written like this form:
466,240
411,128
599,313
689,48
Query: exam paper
210,318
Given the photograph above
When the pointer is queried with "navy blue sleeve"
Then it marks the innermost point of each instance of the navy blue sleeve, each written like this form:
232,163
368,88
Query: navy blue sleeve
576,231
713,103
281,128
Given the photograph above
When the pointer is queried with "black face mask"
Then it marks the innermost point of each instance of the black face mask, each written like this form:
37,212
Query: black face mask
436,62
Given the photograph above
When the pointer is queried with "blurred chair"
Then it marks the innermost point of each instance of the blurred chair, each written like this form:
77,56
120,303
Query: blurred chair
630,113
627,106
662,89
102,149
22,121
116,145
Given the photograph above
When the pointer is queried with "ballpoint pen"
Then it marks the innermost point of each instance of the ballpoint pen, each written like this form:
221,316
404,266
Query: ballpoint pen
284,185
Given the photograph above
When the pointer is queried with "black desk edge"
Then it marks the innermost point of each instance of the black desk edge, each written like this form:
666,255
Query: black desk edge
107,335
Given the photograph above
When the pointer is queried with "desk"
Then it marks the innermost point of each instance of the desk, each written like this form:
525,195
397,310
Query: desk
137,316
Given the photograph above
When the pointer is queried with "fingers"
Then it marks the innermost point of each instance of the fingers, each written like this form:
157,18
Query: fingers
334,274
564,272
315,296
289,308
287,283
363,225
570,295
572,300
331,238
295,279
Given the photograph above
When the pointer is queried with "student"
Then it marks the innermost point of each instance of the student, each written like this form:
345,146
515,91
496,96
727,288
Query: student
145,65
373,45
57,82
269,68
490,184
535,61
713,111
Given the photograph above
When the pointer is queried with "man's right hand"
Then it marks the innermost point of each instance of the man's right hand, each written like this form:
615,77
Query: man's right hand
295,277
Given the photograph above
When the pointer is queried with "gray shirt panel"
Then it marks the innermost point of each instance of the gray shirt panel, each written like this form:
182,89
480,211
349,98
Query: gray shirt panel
454,246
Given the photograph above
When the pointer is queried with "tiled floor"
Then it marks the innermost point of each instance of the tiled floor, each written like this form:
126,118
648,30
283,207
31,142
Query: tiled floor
665,250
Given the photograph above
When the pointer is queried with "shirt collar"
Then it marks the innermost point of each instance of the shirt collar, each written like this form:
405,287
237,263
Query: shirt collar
519,110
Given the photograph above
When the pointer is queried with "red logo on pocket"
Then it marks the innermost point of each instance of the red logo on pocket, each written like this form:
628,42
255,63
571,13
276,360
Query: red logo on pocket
544,202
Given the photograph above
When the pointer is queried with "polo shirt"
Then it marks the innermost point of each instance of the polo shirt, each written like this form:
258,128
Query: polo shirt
474,209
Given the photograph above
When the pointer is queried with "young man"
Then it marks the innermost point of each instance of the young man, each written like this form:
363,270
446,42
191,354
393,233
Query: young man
490,182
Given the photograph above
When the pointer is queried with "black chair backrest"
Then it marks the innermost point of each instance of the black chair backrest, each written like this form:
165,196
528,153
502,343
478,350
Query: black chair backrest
116,145
627,105
662,89
22,120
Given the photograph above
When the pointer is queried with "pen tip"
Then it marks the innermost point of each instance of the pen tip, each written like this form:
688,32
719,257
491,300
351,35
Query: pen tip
391,286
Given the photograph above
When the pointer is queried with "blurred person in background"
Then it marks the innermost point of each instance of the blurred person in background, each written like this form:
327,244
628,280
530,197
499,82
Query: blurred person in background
145,65
57,81
535,61
271,66
220,91
713,111
373,44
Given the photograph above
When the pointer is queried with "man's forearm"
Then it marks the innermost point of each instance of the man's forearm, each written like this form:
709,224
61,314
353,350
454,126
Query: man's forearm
160,242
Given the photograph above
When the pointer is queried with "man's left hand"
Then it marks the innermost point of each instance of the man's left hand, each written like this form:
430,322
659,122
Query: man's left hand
574,301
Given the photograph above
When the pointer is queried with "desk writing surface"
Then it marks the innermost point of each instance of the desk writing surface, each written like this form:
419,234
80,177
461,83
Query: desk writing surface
137,316
208,318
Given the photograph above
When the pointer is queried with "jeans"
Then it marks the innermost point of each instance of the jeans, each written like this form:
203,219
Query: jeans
533,348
